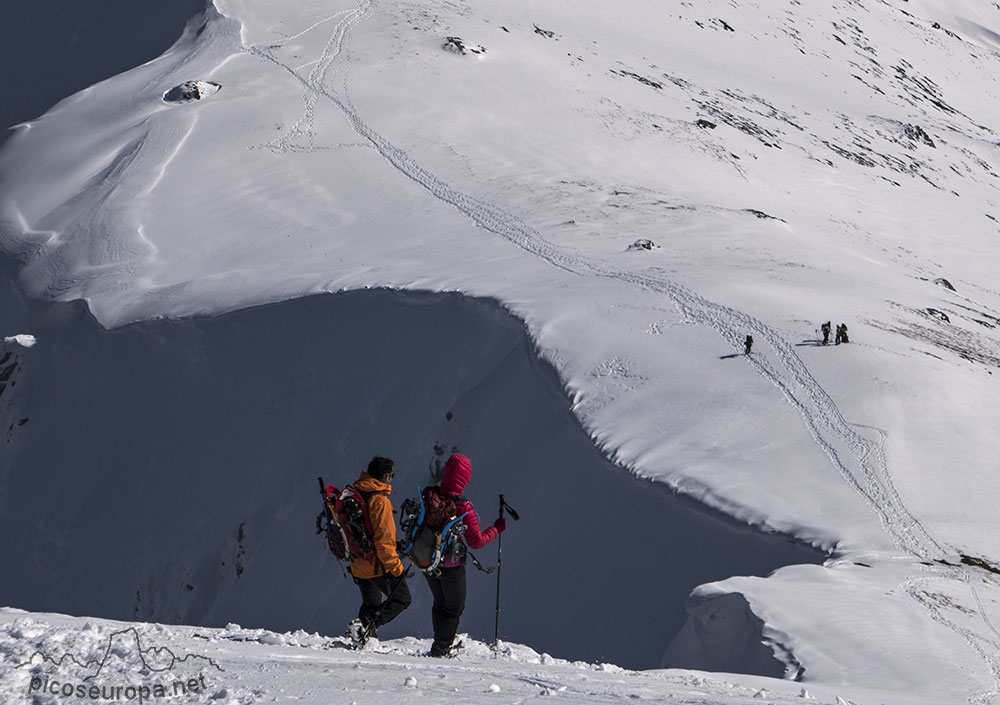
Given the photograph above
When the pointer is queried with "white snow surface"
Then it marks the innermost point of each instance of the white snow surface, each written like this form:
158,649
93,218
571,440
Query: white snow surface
844,169
45,653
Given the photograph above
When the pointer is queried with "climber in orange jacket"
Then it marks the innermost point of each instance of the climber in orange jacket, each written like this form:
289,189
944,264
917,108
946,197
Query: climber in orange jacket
383,575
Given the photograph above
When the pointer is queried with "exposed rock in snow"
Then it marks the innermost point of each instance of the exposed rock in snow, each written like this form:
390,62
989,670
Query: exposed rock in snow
190,91
917,134
458,46
643,244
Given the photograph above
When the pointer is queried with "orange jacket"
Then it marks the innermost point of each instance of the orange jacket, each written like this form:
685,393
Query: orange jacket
383,531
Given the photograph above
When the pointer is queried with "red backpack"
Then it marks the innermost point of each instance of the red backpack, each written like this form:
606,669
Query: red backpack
439,509
349,529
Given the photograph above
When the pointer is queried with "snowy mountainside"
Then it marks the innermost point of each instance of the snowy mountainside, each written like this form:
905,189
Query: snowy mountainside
188,454
787,165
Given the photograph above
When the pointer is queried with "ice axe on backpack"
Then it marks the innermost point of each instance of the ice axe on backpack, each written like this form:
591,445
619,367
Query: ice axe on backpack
513,515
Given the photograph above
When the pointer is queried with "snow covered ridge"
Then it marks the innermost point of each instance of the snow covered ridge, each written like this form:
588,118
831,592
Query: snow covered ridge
191,90
49,659
349,150
210,529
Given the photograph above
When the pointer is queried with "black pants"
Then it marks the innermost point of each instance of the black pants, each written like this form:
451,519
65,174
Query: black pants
449,603
373,608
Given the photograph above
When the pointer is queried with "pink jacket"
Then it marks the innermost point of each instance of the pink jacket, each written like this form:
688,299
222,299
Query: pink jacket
457,472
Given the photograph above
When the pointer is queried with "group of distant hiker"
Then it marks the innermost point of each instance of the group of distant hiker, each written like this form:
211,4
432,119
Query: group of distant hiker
841,337
841,333
437,529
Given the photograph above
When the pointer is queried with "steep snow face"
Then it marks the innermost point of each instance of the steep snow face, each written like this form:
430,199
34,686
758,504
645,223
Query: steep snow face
782,166
184,476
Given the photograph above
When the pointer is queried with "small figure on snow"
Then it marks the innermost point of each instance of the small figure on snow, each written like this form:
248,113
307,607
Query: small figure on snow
747,345
842,334
826,332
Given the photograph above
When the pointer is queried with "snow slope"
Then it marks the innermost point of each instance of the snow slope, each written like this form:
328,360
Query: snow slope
790,165
46,653
188,454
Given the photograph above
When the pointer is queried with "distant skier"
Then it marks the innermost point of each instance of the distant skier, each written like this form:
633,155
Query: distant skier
383,575
826,332
747,345
842,334
448,583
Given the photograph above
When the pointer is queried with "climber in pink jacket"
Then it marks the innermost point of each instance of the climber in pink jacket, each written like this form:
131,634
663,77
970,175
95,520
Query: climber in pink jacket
448,585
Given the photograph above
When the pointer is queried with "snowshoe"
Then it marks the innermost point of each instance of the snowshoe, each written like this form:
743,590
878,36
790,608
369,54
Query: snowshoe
360,635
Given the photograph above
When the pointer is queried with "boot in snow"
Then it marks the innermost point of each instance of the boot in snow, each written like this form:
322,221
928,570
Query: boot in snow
439,650
356,632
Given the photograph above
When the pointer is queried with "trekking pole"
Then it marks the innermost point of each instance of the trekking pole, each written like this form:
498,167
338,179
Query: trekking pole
515,517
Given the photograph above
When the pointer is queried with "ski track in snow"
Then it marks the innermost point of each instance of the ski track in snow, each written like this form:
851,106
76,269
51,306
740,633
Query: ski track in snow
920,590
861,461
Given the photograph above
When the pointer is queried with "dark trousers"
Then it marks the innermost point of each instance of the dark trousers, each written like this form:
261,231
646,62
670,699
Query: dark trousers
373,608
449,603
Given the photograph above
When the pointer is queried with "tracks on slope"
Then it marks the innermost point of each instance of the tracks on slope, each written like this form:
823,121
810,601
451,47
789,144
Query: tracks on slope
860,460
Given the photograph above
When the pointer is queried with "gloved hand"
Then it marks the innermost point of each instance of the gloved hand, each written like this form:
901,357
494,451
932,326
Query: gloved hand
500,523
